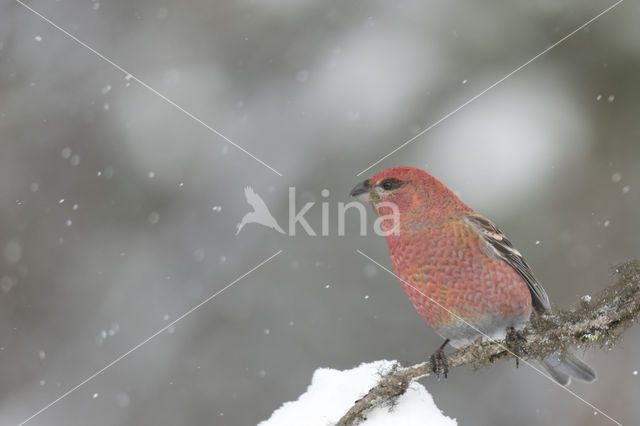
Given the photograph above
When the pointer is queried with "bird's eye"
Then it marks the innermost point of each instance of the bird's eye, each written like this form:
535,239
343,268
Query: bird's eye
388,185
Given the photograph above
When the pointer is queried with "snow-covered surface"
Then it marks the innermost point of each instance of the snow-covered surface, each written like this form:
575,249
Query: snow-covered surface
333,392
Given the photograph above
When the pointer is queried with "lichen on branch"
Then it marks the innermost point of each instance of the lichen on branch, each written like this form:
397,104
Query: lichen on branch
593,321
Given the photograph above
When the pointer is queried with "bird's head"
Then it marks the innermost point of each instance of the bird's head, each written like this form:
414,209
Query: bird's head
409,188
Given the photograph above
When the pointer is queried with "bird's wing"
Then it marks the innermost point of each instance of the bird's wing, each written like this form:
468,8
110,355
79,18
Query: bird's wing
254,200
500,247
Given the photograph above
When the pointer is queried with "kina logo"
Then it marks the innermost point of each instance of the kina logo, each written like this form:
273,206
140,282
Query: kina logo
387,223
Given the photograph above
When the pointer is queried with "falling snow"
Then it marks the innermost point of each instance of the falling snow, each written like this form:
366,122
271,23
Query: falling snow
114,329
108,199
104,334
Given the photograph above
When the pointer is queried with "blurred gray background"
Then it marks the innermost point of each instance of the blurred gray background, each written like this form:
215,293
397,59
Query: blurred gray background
118,212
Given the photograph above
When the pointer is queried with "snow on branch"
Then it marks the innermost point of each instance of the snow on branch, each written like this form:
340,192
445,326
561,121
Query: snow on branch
600,320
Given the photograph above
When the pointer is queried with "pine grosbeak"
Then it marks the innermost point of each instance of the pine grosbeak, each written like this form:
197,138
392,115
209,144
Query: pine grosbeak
460,271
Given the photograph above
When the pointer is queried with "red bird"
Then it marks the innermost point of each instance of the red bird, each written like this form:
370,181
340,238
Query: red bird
460,271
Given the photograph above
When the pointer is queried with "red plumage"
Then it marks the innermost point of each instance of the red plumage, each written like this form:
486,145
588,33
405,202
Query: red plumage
444,265
460,271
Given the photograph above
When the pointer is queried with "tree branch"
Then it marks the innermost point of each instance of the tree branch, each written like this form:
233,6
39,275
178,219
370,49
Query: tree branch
592,321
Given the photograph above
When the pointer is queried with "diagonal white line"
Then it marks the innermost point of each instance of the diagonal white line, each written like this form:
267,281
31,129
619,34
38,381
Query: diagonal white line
492,86
139,345
146,86
494,341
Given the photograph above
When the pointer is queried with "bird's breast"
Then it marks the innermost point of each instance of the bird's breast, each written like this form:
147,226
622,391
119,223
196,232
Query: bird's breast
448,275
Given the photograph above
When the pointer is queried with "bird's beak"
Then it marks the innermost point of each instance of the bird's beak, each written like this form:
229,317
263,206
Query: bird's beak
361,191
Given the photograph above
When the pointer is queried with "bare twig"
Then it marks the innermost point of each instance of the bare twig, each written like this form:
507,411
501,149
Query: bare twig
593,321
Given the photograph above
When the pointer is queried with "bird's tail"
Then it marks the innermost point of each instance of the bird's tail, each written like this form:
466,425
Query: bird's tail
562,370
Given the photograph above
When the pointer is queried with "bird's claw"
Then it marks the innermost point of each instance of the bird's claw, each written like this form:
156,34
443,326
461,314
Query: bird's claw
439,364
515,342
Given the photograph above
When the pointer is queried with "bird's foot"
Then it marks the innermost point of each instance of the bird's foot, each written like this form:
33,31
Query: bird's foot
439,364
515,342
